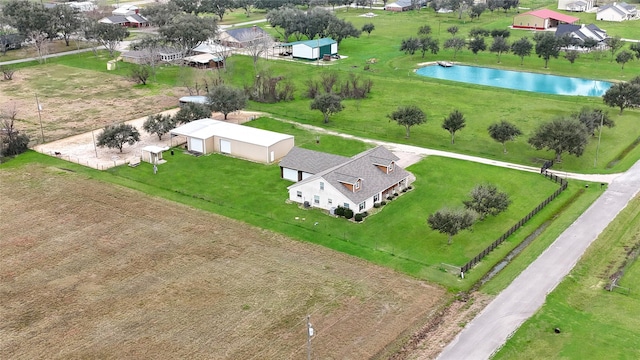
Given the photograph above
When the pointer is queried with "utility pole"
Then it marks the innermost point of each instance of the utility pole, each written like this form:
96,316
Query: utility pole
309,336
40,117
595,162
94,143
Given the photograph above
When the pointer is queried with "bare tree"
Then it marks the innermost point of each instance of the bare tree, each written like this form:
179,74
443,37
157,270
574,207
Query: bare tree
256,44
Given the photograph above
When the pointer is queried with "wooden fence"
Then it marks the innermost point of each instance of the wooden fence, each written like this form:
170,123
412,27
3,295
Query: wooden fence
501,239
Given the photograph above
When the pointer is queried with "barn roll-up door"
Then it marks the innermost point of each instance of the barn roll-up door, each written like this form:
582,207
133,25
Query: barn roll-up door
225,146
196,145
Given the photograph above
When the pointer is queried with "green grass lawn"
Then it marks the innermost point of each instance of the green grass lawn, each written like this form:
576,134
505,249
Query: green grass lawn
595,323
255,193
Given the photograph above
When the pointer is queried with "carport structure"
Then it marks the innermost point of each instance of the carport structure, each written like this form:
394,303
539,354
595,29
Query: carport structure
207,136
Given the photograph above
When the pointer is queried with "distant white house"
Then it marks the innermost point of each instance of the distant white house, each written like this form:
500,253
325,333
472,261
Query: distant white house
327,181
580,33
125,10
617,12
576,5
82,6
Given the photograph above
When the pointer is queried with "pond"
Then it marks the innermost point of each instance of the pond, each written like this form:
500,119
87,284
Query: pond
517,80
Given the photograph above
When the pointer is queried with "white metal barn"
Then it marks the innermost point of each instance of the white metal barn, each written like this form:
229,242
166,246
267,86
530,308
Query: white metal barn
207,136
313,49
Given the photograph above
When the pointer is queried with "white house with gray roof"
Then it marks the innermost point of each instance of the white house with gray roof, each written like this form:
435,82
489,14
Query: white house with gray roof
617,12
578,6
331,181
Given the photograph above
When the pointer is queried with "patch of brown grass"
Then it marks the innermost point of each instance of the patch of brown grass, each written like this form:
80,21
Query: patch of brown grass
75,101
91,270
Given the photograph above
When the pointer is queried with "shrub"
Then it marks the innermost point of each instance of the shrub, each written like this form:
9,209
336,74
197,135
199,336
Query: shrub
383,203
358,217
365,214
340,211
390,197
404,190
348,213
409,187
395,194
377,205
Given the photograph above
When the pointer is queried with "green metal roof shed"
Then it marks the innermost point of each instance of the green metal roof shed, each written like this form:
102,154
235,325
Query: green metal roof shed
313,49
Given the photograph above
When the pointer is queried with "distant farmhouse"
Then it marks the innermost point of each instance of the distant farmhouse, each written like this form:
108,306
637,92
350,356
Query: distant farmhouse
127,16
542,19
617,12
577,6
240,38
10,42
580,33
405,5
327,181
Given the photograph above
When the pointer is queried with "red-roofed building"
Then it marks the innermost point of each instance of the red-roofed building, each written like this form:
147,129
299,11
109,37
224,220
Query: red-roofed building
541,19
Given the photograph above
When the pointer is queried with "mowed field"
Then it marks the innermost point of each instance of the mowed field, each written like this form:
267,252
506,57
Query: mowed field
92,270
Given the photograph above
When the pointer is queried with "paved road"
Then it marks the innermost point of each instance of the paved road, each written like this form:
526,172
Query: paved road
485,334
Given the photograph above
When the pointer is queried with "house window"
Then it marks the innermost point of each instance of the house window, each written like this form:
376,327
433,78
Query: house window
321,185
357,185
345,205
362,206
390,168
376,197
316,199
329,201
299,194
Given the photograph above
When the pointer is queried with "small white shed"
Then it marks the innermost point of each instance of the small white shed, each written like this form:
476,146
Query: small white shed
153,154
313,49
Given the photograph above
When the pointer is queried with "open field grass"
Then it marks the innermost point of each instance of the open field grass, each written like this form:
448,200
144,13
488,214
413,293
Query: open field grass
53,47
93,270
594,323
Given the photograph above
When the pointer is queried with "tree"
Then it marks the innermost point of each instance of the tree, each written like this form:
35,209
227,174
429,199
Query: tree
12,141
218,7
290,20
477,10
110,36
624,57
502,132
226,99
478,32
151,45
66,21
245,5
7,72
622,95
547,46
368,28
339,30
635,47
505,33
561,135
408,116
140,73
191,111
160,14
456,44
522,48
571,55
476,45
115,136
589,43
493,5
33,21
328,104
410,45
187,31
487,200
159,124
256,43
424,30
453,30
499,46
614,43
592,119
429,44
451,222
454,122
